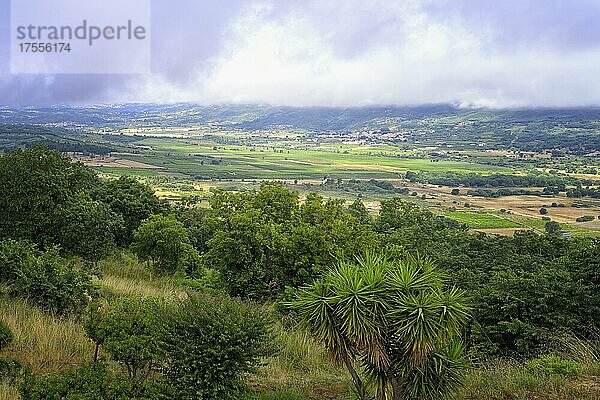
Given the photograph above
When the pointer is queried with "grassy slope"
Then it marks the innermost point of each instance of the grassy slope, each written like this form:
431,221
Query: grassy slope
300,371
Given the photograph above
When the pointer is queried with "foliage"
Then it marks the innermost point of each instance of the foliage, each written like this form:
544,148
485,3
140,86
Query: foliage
34,184
394,319
552,227
164,241
201,224
209,343
493,180
44,278
90,382
584,192
128,332
90,228
358,210
267,240
130,199
585,218
6,335
9,369
552,365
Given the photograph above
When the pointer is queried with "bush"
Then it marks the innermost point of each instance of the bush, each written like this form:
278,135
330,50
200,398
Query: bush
90,382
552,227
44,278
585,218
128,332
164,241
6,335
9,370
14,257
552,365
209,343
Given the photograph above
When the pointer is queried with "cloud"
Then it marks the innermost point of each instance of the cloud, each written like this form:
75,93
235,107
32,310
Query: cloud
349,53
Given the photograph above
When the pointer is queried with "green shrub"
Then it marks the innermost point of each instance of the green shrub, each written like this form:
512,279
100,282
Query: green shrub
44,278
14,257
128,332
90,382
9,369
6,335
585,218
552,365
209,343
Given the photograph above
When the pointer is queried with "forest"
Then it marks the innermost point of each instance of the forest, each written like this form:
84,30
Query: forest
207,299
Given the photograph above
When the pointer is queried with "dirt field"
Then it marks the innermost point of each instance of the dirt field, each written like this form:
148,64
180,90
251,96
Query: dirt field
526,206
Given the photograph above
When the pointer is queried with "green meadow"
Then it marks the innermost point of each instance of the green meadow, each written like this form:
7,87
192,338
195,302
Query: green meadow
207,160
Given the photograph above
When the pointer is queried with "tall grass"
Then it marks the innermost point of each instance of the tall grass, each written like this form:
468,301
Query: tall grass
576,348
126,287
124,275
124,264
509,380
8,392
42,342
299,370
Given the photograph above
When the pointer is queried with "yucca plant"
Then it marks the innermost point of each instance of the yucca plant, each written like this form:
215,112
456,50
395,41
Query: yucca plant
392,323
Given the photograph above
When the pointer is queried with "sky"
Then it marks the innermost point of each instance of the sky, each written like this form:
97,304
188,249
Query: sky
472,53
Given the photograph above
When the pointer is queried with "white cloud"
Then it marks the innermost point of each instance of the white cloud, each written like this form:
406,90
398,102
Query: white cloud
303,56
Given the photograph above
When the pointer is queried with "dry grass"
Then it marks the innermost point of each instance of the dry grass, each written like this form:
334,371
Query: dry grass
8,392
127,287
508,380
43,343
300,370
124,275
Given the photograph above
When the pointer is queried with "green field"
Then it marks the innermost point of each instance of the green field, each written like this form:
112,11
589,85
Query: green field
206,160
477,220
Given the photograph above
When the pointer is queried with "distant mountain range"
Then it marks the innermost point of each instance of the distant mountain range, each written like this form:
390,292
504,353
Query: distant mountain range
258,117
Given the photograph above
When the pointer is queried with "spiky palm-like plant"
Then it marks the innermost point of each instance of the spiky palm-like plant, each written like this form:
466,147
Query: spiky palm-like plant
394,320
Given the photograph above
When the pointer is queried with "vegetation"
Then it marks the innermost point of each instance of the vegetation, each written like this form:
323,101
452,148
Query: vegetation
106,291
392,319
44,278
164,241
494,180
6,335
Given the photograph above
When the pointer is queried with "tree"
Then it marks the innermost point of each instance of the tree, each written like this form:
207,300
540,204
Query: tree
34,184
395,320
131,199
360,212
162,240
552,227
455,192
44,278
128,332
90,228
543,211
260,246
